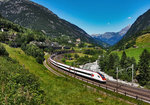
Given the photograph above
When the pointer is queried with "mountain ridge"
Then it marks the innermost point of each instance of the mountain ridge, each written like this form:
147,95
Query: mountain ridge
35,16
111,37
139,27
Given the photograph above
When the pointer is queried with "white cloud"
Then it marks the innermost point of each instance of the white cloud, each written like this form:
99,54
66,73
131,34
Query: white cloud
129,17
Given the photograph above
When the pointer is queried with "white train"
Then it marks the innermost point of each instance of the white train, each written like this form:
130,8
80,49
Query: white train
86,73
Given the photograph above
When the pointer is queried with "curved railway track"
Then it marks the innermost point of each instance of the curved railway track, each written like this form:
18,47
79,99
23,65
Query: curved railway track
137,93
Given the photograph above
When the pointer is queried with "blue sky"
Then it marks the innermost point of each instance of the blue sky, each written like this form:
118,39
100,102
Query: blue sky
98,16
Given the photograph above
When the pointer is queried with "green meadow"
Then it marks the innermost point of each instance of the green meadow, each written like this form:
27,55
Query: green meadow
60,90
142,43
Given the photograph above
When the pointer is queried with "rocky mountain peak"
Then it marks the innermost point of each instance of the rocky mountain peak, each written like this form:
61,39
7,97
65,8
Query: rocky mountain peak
112,37
140,26
124,30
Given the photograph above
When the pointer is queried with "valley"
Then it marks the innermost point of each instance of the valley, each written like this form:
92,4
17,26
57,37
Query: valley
111,38
54,85
31,34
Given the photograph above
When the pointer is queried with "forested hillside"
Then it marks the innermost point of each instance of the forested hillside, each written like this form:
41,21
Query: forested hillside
17,36
124,60
37,17
138,54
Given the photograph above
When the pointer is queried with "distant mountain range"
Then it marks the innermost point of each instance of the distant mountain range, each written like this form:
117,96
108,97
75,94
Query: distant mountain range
31,15
139,27
111,38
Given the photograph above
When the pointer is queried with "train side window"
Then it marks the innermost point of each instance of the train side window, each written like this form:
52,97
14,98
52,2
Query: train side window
98,76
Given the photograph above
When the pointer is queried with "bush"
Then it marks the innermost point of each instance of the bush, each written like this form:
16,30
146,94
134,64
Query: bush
3,51
85,59
63,60
18,86
148,84
3,36
93,52
40,59
81,45
76,56
68,56
34,51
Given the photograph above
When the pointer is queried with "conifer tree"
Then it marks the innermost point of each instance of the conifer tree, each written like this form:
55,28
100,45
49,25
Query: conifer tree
123,60
103,62
3,51
144,68
111,62
117,60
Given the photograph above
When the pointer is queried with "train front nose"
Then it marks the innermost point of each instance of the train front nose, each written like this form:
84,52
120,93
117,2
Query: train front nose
104,79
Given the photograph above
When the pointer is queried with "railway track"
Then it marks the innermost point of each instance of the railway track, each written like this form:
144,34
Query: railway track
137,93
53,71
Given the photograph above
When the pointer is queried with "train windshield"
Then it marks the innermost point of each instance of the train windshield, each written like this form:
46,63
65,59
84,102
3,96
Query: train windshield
101,75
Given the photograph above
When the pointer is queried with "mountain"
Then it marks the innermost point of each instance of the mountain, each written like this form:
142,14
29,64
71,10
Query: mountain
31,15
124,30
111,37
101,43
139,27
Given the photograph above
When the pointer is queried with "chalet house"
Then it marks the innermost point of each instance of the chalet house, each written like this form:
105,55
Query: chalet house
12,37
45,44
2,30
78,41
69,41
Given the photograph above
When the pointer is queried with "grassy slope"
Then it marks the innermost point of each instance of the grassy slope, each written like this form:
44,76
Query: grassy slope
142,42
69,62
15,91
60,90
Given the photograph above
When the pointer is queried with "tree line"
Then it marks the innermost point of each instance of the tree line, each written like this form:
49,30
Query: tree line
17,36
109,62
144,69
79,60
